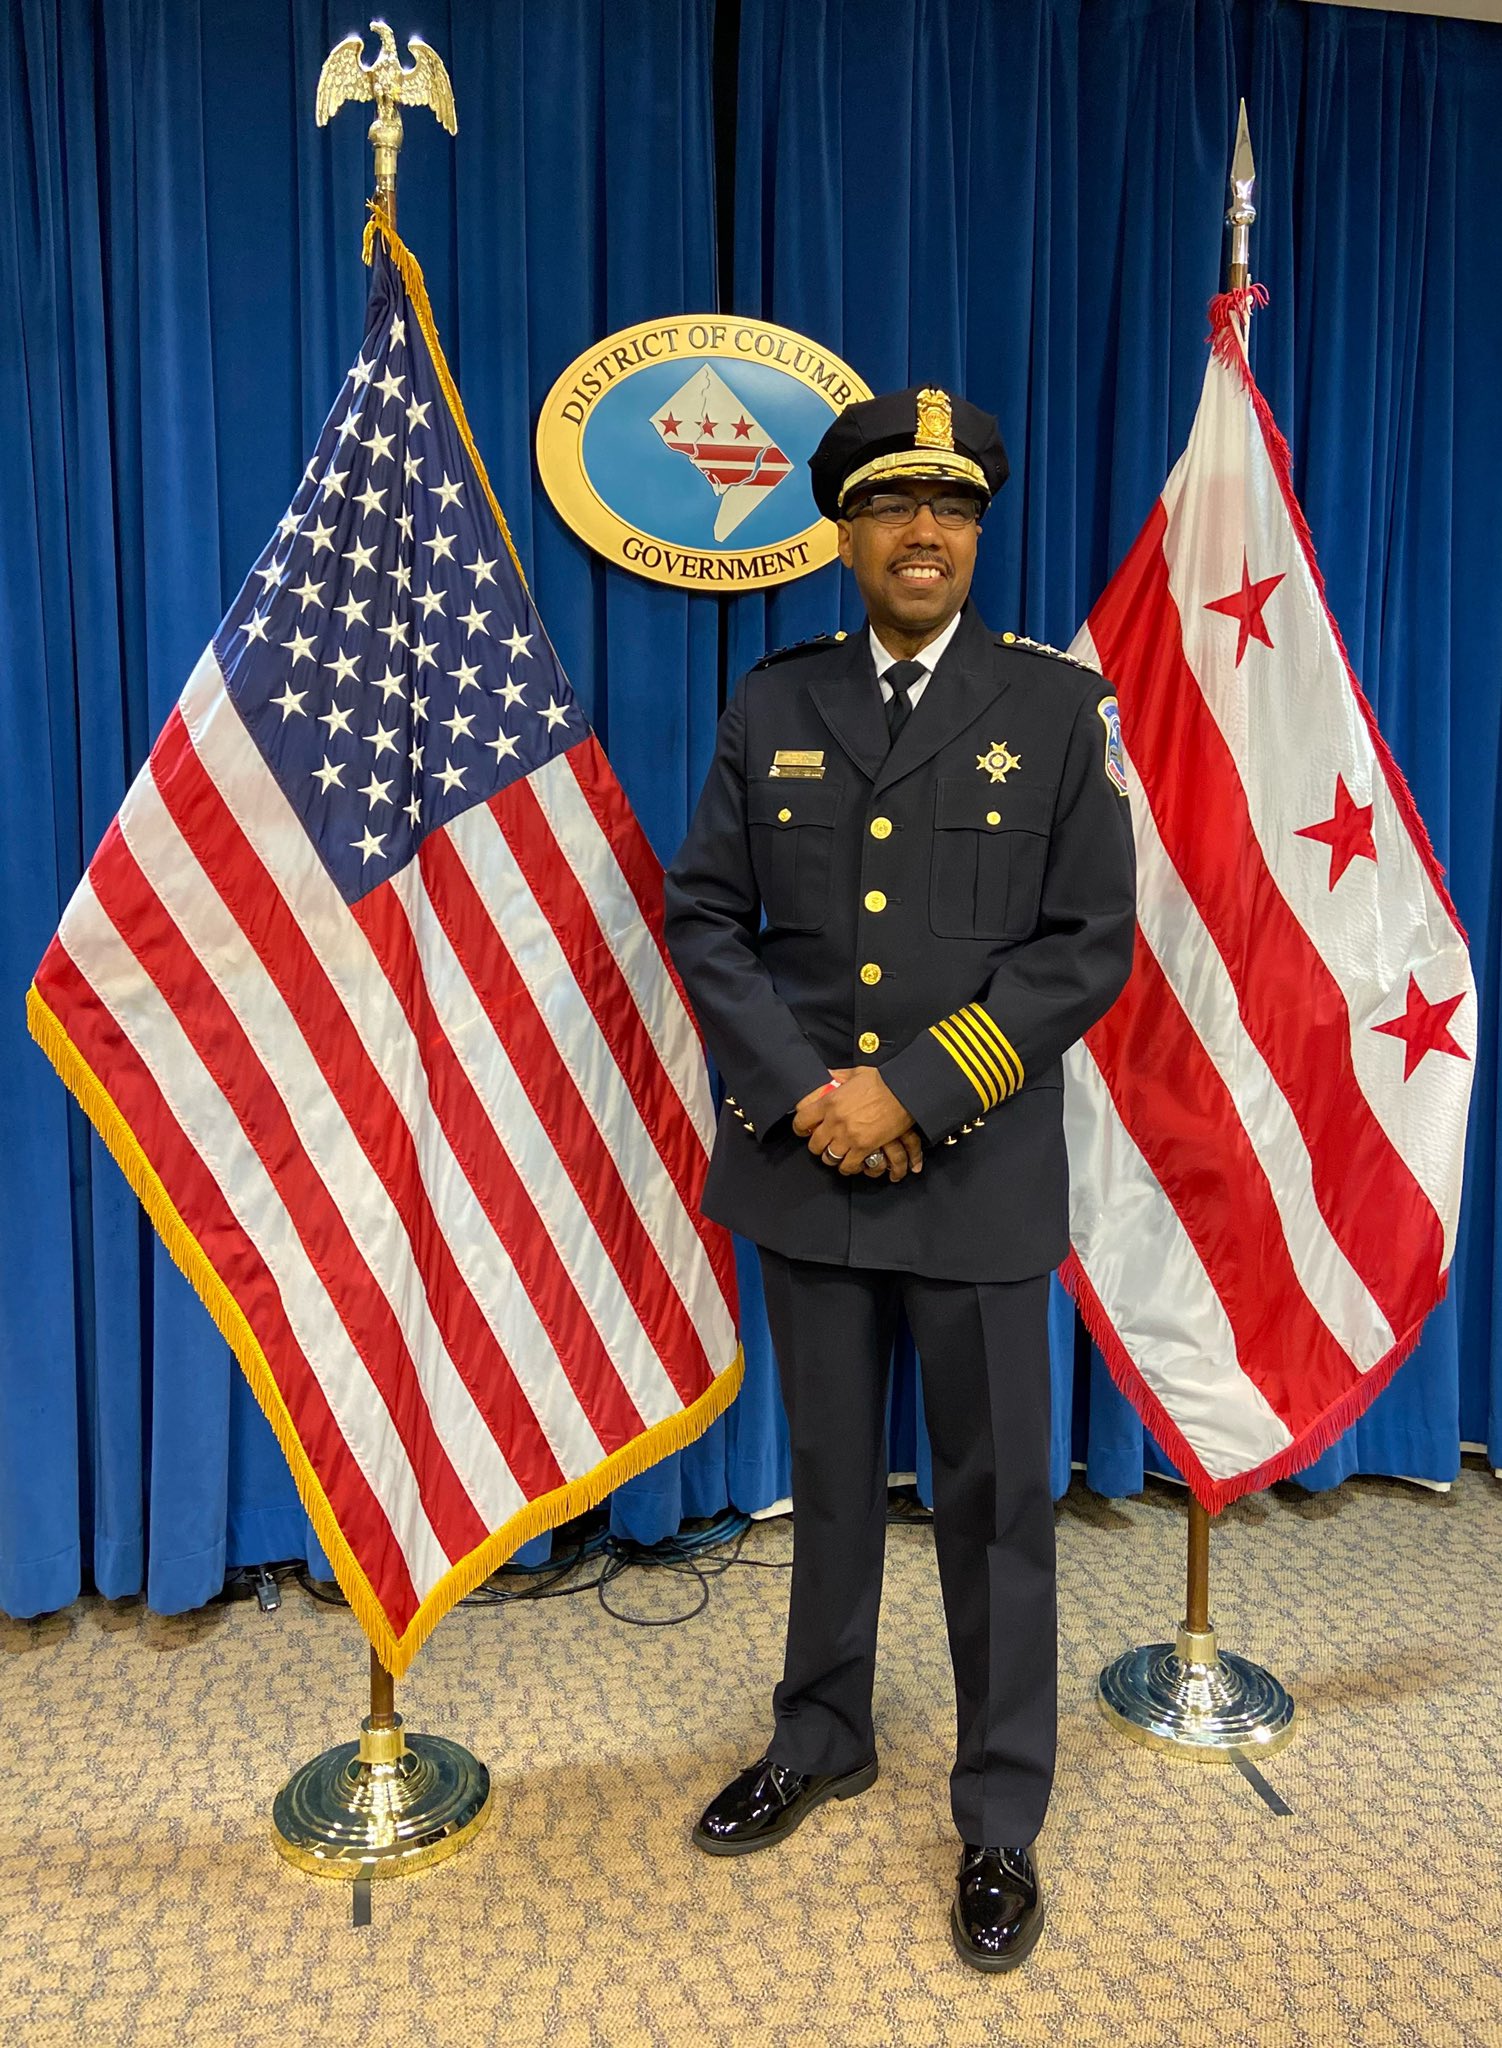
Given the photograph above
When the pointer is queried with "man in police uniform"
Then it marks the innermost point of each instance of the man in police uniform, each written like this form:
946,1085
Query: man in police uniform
907,889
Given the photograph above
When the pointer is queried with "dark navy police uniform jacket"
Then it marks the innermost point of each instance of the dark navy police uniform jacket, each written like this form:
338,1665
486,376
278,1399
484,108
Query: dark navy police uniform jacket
957,909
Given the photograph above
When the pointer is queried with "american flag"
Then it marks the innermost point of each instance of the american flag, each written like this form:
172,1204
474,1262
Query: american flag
1266,1132
365,989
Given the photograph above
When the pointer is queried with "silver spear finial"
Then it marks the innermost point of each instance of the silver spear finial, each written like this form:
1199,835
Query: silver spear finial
1241,212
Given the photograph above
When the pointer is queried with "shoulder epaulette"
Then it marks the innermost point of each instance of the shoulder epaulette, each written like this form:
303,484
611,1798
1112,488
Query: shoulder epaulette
799,647
1042,647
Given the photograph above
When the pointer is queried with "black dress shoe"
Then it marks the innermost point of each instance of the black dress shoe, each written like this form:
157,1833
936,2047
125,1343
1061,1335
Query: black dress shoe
998,1908
765,1803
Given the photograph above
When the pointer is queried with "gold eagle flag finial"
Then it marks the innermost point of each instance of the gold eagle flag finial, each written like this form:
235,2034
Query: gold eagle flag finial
935,420
392,85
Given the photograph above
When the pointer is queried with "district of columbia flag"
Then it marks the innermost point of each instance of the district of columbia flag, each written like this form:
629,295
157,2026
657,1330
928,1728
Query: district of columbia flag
365,990
1266,1131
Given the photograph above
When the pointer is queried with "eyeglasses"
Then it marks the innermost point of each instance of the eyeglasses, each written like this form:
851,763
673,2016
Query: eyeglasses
896,508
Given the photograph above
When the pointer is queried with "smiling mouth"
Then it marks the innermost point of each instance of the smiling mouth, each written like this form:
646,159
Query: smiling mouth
920,575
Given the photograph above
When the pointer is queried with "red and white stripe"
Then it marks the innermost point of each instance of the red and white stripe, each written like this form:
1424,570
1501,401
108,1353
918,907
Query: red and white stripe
444,1147
732,462
1263,1208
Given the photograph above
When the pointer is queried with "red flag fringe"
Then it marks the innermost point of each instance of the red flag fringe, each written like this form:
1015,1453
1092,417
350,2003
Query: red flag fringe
1215,1494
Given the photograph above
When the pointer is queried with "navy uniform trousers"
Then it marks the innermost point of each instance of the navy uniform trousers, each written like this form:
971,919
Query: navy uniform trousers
983,1347
955,906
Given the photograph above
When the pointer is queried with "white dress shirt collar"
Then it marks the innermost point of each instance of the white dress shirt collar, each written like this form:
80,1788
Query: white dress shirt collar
928,656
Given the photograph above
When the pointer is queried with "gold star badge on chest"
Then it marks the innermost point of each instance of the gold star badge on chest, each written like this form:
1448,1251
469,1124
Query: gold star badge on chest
998,761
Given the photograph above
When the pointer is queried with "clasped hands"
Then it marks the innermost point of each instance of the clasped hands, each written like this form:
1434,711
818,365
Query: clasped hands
860,1126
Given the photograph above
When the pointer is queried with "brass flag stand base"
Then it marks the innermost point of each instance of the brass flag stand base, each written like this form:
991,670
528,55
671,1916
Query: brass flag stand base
1189,1697
384,1806
1197,1701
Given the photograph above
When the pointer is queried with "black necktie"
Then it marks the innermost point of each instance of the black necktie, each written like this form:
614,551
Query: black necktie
899,679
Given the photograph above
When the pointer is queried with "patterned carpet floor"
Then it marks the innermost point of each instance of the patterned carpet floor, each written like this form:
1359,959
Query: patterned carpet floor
143,1903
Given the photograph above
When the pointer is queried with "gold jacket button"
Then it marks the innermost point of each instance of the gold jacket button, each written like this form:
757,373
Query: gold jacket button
875,900
881,828
992,817
870,974
868,1041
783,816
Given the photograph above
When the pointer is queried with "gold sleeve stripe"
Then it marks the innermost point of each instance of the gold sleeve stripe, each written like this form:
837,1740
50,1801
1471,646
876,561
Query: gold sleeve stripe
969,1066
989,1029
982,1051
1000,1074
984,1087
1013,1055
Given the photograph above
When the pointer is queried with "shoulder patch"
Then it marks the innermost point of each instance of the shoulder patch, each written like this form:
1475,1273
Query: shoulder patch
798,647
1042,647
1109,714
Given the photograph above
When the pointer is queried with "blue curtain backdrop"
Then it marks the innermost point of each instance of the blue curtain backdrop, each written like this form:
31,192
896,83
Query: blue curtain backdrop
1020,200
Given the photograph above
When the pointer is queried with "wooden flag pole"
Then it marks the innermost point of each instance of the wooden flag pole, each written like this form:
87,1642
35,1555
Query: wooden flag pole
382,1695
1189,1697
1197,1590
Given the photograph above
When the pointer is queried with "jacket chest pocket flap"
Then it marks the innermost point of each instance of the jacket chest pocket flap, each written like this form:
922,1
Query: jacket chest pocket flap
989,851
792,848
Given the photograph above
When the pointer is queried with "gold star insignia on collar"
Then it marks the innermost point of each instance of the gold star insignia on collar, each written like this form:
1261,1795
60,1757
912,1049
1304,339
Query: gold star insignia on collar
998,762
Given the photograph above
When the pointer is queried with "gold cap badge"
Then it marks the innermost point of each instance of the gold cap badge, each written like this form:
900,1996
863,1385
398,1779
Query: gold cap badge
933,457
935,420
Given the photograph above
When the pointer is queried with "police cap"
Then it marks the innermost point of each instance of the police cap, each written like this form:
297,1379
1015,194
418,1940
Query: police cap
921,435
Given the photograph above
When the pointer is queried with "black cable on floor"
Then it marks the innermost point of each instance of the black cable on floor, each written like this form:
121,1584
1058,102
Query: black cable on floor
560,1577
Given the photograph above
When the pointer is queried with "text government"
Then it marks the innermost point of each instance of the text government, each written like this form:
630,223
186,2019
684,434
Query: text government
683,565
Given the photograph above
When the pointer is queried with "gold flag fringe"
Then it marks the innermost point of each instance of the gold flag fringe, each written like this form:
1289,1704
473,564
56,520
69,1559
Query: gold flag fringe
417,292
395,1652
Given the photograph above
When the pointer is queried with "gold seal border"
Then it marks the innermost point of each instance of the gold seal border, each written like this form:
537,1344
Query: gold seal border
560,456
